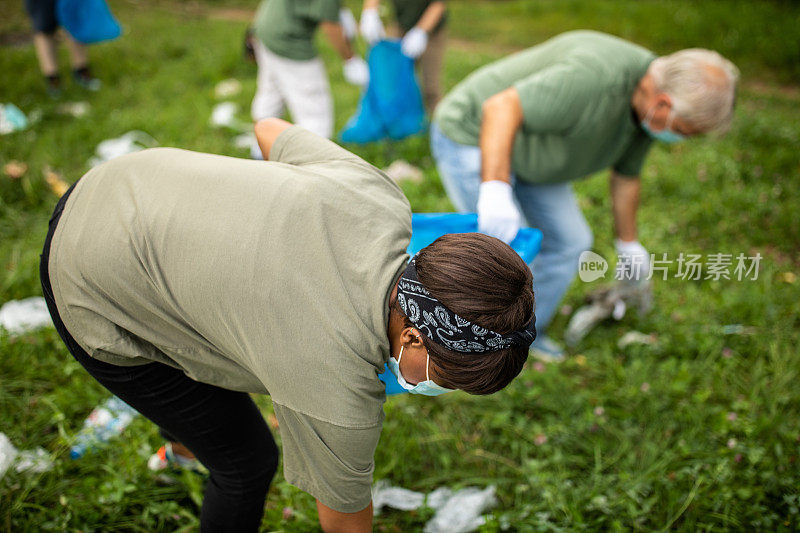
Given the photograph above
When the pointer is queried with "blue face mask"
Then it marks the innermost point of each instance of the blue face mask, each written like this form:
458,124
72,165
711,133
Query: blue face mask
665,135
427,387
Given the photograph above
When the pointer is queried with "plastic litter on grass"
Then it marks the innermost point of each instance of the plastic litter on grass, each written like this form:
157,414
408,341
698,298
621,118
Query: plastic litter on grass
12,119
132,141
20,316
456,511
227,88
33,461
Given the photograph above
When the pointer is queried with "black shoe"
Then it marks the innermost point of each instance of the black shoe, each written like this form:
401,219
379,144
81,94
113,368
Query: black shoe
83,77
53,86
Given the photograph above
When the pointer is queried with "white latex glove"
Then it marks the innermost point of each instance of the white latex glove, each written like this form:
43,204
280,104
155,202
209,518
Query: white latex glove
356,71
415,42
635,260
498,215
371,26
348,22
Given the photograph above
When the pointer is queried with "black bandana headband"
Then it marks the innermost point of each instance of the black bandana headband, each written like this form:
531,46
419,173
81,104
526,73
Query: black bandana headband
446,328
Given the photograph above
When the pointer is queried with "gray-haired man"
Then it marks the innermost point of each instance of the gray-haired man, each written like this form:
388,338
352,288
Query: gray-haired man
511,136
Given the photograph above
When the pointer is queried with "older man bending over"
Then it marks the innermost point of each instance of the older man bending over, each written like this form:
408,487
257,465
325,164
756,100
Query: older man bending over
510,138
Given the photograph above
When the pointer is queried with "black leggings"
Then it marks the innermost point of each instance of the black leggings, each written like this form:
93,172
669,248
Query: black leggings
223,428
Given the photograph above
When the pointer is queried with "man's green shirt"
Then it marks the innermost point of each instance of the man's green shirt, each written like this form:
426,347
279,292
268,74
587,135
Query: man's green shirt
257,276
576,92
287,27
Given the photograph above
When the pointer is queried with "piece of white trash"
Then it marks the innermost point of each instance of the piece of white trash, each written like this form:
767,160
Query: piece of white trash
401,170
462,512
19,316
245,141
456,512
224,115
133,141
8,454
227,88
36,461
74,109
635,337
383,494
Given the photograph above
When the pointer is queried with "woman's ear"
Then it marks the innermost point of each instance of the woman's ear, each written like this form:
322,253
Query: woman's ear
411,338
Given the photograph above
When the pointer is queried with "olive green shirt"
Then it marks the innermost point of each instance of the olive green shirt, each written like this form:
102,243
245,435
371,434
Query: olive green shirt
266,277
287,27
576,92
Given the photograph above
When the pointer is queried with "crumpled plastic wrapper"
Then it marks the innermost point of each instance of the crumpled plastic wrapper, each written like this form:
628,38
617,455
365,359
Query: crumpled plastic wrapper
456,511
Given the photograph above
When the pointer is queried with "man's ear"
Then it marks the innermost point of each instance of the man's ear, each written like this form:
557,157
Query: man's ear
663,100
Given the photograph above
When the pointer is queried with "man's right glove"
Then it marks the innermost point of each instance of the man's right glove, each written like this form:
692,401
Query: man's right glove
415,42
356,71
371,26
498,215
633,261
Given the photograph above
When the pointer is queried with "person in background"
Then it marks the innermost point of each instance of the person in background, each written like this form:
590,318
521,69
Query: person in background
423,27
290,73
510,138
45,24
183,281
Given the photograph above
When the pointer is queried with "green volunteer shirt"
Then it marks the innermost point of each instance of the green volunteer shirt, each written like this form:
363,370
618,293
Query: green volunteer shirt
287,27
576,92
265,277
408,13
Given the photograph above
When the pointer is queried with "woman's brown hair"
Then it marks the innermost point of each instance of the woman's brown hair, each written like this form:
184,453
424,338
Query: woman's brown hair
483,280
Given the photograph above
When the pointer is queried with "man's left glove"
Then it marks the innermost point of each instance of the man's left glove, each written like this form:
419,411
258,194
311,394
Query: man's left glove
356,71
633,261
371,26
415,42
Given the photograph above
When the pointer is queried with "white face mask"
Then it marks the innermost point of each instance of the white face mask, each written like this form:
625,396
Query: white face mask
666,134
427,387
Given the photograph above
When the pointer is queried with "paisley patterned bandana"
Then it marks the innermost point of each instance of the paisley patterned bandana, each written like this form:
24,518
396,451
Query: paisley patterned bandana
446,328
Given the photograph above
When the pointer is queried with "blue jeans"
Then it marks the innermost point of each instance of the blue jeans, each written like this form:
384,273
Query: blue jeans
550,207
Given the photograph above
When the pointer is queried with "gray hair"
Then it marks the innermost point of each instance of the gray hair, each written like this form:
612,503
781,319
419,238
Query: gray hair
701,84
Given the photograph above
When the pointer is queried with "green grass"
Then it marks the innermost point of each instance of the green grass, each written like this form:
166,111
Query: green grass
698,432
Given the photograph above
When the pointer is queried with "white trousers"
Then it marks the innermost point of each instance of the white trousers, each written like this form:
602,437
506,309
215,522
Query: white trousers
301,86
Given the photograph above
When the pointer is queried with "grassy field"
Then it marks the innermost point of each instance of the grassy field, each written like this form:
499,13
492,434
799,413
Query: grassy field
697,432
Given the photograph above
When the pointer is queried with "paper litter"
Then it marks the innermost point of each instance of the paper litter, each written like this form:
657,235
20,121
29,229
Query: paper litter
246,140
456,512
224,115
401,170
227,88
74,109
635,337
132,141
19,316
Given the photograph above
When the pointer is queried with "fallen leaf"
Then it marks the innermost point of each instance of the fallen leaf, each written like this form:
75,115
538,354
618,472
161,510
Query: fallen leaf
55,181
15,169
788,277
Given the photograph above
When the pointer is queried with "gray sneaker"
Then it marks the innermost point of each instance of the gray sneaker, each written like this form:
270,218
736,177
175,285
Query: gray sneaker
546,349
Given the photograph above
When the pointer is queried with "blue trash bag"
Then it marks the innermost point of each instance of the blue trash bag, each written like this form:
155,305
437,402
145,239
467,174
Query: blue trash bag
391,106
88,21
427,227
